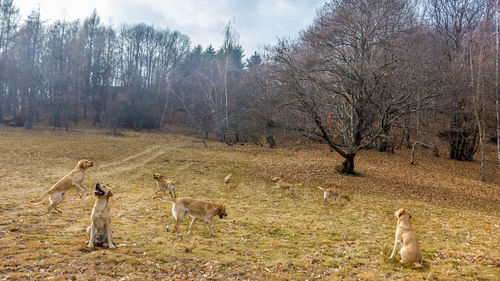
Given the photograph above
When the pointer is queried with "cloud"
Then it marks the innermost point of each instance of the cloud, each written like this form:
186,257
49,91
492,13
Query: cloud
258,22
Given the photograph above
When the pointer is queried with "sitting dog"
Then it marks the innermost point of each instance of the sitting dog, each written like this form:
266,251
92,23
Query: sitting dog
197,209
99,231
333,193
164,184
57,191
407,238
292,188
228,179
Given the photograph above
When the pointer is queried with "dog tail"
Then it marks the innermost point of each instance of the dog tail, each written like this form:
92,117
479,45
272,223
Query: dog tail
322,189
39,200
164,199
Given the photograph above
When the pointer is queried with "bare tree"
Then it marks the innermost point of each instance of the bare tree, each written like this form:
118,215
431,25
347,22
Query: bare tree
342,76
8,27
454,20
29,47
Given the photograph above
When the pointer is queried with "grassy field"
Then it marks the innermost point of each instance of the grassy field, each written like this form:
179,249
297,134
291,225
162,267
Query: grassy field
268,235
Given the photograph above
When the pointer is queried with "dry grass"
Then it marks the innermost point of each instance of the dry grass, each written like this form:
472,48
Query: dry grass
267,236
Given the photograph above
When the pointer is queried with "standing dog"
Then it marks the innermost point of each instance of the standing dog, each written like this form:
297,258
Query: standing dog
333,193
164,184
406,236
197,209
99,231
57,191
228,179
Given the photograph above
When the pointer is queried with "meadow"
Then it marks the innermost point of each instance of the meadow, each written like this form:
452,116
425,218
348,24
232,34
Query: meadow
268,235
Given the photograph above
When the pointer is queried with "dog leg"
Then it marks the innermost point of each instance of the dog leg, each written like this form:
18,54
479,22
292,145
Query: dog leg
57,209
92,236
88,232
191,225
168,223
49,209
177,223
81,188
209,222
110,241
402,252
396,243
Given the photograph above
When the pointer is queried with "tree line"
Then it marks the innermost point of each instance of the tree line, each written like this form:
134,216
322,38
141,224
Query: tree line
366,74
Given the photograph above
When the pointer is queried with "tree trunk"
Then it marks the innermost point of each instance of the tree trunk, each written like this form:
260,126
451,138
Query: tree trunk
270,141
97,117
162,118
463,137
348,164
412,160
385,141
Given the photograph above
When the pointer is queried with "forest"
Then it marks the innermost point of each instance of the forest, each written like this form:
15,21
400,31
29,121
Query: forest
366,74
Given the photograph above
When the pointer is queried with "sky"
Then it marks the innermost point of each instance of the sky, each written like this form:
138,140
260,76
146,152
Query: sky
258,22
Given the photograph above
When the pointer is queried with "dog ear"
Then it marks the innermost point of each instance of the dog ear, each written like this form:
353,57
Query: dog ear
110,194
81,163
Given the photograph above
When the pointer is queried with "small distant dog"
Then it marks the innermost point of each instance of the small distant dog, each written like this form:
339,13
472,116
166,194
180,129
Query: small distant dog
197,209
333,193
57,191
99,231
164,184
407,238
292,188
228,180
275,179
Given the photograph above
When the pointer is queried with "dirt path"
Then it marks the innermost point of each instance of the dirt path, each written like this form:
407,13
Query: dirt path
134,161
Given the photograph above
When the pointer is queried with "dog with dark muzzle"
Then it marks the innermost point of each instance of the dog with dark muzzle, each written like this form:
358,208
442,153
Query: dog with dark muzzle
99,231
197,209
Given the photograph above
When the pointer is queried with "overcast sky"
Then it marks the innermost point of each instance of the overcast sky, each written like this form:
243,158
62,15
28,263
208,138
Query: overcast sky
258,22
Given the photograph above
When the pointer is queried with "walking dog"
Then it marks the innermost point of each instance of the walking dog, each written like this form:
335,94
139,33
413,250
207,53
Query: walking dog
165,184
197,209
334,193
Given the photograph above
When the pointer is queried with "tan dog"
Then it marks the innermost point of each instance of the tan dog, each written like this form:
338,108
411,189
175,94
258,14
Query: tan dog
334,193
164,184
228,179
292,188
406,236
57,191
99,231
197,209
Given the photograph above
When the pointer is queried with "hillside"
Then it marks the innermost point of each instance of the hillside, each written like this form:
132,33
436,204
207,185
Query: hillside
268,235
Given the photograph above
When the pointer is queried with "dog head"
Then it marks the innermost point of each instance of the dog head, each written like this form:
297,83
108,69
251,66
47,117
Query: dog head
84,164
401,213
157,176
102,190
221,212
